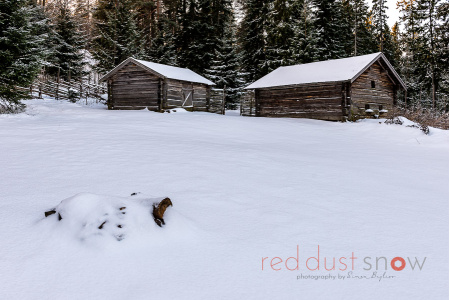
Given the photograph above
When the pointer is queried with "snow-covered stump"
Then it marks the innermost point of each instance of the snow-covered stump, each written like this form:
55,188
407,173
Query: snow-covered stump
89,215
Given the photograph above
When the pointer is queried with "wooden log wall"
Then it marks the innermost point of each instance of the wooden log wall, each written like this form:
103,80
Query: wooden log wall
135,88
316,101
379,98
176,92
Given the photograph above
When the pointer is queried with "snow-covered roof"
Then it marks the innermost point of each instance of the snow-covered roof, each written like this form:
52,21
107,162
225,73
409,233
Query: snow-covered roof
324,71
163,71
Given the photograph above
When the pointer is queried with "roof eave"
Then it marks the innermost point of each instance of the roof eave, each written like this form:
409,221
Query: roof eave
294,84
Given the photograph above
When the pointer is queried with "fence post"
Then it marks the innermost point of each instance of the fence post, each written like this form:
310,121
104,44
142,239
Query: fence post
223,99
57,85
240,102
251,105
88,86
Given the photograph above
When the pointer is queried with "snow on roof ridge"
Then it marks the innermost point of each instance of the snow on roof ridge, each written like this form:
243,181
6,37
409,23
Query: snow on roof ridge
166,71
332,70
322,61
173,72
147,61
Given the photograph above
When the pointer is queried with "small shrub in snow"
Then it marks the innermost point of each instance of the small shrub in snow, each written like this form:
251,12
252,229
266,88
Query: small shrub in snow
8,107
423,116
73,95
394,120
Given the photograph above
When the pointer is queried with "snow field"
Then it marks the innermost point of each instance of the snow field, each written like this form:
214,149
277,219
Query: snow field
242,188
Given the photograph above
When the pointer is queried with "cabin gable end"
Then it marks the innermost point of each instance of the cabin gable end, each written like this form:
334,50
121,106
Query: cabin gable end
373,93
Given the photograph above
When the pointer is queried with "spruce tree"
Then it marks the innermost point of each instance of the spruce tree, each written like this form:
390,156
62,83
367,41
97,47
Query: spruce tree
379,21
391,48
163,48
280,33
252,39
83,17
202,26
431,74
117,35
442,57
43,30
382,32
363,40
346,30
334,35
410,46
68,44
22,52
304,46
224,70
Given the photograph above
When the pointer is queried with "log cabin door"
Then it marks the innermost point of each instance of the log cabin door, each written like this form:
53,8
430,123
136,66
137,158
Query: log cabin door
187,97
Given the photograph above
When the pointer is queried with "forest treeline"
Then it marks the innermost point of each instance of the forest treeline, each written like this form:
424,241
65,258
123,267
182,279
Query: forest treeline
233,43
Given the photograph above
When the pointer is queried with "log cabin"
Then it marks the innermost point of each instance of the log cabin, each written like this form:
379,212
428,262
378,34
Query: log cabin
139,84
342,89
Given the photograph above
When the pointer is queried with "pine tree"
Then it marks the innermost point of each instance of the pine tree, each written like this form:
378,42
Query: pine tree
68,44
22,52
117,35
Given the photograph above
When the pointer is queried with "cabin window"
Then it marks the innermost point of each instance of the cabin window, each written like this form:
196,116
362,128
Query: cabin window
372,84
380,107
367,106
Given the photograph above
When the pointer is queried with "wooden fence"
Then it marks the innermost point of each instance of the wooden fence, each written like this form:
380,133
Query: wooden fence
217,101
66,90
248,104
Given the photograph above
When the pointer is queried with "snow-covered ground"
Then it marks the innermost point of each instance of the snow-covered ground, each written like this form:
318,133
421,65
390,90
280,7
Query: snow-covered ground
242,188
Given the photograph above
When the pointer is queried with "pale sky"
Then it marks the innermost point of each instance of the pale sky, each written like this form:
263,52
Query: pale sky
392,12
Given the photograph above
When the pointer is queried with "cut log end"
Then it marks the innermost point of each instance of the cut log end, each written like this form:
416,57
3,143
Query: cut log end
159,209
49,213
52,212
